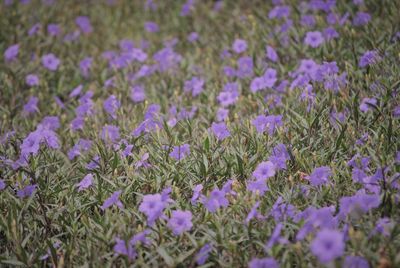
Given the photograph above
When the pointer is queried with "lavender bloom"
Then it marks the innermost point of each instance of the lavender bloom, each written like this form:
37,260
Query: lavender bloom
34,29
368,58
53,29
113,200
319,176
50,122
83,23
196,194
85,65
111,105
32,80
253,213
2,185
279,156
357,204
80,147
50,62
239,46
245,67
262,122
384,226
195,85
143,161
264,170
220,130
110,133
27,191
152,206
276,237
180,221
31,105
222,114
227,98
279,12
76,91
271,54
262,263
258,186
202,256
355,262
193,37
361,18
123,248
11,52
366,104
151,27
328,245
216,200
86,182
314,39
180,152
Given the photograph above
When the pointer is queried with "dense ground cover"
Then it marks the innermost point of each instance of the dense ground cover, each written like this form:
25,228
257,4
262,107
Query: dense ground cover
200,133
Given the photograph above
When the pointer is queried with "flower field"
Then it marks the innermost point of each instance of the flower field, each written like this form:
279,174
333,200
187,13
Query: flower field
200,133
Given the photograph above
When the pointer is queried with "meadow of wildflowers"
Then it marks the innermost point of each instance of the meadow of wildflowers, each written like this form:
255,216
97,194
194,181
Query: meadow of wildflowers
186,133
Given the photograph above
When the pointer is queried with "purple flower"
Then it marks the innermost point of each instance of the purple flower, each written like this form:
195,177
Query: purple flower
151,27
152,206
320,176
31,105
137,93
245,67
385,226
222,114
53,29
358,204
180,221
111,105
314,39
276,237
361,18
202,256
83,23
76,91
279,12
50,62
279,156
264,170
328,245
368,58
262,122
85,65
11,52
355,262
258,186
220,130
367,103
216,200
227,98
113,200
81,146
263,263
196,194
253,213
110,133
34,29
27,191
2,185
86,182
193,37
32,80
239,46
121,247
180,152
271,54
194,85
